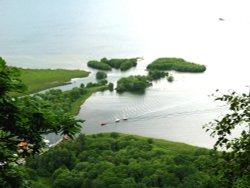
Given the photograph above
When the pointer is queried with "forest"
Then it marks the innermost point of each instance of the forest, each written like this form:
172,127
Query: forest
118,160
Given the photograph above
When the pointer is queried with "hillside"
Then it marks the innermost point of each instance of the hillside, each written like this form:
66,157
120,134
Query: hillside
119,160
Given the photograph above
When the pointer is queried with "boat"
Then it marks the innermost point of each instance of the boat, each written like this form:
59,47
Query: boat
221,19
102,124
125,118
117,120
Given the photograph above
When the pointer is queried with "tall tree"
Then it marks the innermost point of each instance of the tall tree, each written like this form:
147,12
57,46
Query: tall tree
23,123
233,136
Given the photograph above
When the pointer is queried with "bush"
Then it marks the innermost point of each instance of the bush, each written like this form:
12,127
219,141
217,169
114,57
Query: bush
101,75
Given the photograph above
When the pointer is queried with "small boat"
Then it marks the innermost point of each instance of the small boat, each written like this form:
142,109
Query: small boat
125,118
117,120
102,124
221,19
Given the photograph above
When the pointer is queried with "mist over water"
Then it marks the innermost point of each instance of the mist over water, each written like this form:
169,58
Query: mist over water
67,34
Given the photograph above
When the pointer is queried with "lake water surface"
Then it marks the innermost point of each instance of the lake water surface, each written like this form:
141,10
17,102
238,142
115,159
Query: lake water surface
67,34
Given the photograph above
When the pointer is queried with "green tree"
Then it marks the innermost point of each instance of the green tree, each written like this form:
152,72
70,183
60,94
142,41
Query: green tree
237,146
23,122
101,75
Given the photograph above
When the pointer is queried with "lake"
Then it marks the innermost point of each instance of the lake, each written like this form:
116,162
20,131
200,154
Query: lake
67,34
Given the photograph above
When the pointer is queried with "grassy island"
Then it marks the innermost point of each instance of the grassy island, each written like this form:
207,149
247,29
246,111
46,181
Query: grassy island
105,64
176,64
41,79
119,160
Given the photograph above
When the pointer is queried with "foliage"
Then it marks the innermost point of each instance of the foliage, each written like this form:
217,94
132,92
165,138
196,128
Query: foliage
138,84
105,64
111,86
101,75
123,64
23,122
156,74
117,160
133,84
237,168
67,101
176,64
99,65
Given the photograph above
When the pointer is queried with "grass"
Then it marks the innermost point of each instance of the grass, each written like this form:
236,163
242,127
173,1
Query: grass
41,79
170,146
75,106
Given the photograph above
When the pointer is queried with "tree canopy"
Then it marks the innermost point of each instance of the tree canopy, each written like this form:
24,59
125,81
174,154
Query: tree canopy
23,123
233,136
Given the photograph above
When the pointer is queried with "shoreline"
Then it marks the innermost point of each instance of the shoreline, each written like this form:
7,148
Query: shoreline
41,79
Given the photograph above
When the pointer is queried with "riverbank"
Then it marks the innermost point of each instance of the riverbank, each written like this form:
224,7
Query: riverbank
41,79
76,106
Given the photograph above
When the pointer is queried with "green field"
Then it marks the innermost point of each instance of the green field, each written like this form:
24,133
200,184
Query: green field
41,79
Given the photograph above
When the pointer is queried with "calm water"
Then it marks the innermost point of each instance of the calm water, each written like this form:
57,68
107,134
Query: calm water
66,34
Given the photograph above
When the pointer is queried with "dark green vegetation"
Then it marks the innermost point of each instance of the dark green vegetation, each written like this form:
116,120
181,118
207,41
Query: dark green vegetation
156,74
41,79
176,64
117,160
105,64
238,160
24,120
99,65
71,100
136,84
101,75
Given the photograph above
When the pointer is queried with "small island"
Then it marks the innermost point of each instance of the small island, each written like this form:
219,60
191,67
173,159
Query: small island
134,84
138,83
105,64
101,75
176,64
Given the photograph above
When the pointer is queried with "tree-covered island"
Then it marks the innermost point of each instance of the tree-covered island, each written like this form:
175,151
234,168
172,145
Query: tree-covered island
176,64
138,83
106,64
134,84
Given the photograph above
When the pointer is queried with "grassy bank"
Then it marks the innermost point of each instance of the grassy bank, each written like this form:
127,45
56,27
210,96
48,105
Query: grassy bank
75,106
41,79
